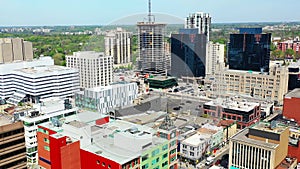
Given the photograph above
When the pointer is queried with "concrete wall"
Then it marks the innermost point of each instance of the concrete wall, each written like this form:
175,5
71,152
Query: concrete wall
28,51
17,49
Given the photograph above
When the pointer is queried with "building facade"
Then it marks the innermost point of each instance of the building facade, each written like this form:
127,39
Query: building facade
260,146
243,112
201,21
216,133
249,50
289,44
151,47
290,106
15,49
12,146
214,57
118,45
270,86
46,111
294,76
188,51
105,99
95,69
31,81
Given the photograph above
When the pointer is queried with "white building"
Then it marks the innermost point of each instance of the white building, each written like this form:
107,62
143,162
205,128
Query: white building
194,147
199,20
118,45
214,57
41,113
215,132
105,99
36,80
95,69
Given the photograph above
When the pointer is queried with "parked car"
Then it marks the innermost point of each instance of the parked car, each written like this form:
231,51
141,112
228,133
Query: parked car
209,160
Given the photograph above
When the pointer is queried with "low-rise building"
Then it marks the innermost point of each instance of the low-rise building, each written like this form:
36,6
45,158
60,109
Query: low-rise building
106,98
216,135
243,112
101,143
263,145
229,128
291,105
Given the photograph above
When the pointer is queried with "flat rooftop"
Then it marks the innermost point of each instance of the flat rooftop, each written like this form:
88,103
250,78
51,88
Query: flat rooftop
262,126
196,139
294,93
161,78
233,104
43,70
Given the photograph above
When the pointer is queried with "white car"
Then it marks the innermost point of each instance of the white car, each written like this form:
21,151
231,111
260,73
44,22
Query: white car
209,160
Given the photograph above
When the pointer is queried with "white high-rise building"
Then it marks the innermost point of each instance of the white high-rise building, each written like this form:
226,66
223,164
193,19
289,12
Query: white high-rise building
214,57
118,45
95,69
199,20
38,79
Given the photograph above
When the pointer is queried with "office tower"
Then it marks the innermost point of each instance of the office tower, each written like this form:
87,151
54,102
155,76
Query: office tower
12,144
95,69
294,76
118,45
15,49
201,21
249,50
37,79
188,54
263,145
214,57
151,45
105,99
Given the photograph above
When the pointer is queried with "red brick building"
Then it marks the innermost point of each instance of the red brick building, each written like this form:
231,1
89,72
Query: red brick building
283,46
291,106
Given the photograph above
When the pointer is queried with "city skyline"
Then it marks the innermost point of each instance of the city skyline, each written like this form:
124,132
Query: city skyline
93,12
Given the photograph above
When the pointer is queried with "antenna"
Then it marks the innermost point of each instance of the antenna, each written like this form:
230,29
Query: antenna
150,16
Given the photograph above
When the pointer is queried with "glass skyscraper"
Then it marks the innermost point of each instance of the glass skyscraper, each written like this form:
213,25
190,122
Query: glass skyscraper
249,50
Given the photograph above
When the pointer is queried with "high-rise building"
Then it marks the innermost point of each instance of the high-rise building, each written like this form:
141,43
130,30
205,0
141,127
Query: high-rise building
151,47
118,45
263,145
15,49
35,80
201,21
294,75
12,145
249,50
95,69
214,57
188,54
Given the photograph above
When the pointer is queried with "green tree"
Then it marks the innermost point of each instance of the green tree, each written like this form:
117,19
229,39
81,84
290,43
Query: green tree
277,54
289,52
58,59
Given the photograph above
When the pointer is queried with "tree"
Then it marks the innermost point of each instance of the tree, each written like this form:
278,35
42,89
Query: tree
58,59
289,53
277,54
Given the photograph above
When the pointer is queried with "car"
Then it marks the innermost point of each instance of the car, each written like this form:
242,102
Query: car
218,162
175,90
209,160
176,108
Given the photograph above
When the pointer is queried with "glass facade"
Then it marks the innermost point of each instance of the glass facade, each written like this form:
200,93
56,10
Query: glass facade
249,52
188,55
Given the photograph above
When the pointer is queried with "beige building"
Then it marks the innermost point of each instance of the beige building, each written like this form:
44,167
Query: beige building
15,49
229,128
270,86
12,145
95,69
263,146
214,56
118,45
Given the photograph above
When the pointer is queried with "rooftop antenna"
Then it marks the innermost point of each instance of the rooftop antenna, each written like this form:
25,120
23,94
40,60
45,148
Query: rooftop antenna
149,12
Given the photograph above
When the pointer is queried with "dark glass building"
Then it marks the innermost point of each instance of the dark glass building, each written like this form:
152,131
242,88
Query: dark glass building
294,78
188,52
249,50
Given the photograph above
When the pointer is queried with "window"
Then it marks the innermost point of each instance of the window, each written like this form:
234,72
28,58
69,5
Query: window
165,155
103,164
145,157
145,166
47,148
98,162
155,152
155,161
165,147
46,140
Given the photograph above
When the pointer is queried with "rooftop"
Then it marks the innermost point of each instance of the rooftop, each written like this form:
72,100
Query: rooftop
88,54
294,93
42,70
267,127
232,103
196,139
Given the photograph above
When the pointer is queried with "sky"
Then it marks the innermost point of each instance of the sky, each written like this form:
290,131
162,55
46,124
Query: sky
104,12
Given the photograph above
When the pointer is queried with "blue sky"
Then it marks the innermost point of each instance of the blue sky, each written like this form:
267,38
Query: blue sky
101,12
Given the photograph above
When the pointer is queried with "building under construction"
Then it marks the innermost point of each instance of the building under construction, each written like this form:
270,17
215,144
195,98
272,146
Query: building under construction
152,57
